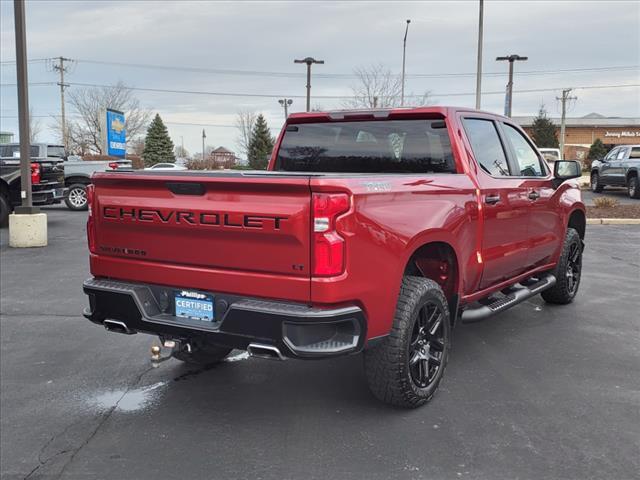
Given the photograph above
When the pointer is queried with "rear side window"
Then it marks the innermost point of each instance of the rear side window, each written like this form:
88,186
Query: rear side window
621,154
526,157
376,146
635,152
14,151
486,146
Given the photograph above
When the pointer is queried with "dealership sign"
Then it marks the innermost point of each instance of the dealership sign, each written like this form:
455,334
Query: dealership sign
116,134
624,133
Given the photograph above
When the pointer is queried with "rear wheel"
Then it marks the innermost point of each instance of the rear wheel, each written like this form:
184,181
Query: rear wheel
407,367
5,209
202,355
634,187
76,198
567,272
596,186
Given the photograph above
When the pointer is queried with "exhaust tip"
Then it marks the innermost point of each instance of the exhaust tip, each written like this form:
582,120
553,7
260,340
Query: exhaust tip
265,351
117,327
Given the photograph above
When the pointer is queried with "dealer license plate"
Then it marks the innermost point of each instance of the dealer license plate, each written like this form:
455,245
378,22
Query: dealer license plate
195,305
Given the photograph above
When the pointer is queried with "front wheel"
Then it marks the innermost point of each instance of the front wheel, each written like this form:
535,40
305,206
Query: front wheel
634,187
596,186
407,367
567,272
76,198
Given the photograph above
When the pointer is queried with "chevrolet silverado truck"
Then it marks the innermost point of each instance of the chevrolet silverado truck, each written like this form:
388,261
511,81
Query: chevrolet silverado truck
47,180
372,231
619,168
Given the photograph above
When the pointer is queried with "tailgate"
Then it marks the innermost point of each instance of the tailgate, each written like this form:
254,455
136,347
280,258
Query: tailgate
257,223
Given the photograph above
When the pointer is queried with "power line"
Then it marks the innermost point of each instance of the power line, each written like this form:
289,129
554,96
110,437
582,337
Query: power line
347,75
341,97
326,97
223,71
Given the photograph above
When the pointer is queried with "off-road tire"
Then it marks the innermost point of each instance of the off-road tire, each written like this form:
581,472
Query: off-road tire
201,356
562,292
5,209
596,186
75,189
633,187
387,364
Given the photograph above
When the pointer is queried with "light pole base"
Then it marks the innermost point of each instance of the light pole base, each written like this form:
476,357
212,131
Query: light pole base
27,230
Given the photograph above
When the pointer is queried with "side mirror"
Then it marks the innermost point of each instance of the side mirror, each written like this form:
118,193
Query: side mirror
565,170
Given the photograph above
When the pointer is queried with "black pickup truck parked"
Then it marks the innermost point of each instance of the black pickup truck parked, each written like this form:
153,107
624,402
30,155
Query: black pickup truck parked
619,168
47,179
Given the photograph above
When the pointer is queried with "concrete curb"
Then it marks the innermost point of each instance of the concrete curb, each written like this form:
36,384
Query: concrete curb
613,221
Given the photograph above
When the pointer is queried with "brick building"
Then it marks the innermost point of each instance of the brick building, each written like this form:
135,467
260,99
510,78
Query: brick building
581,132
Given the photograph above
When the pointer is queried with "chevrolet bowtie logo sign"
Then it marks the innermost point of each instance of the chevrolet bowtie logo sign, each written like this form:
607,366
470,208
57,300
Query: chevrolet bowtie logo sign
117,126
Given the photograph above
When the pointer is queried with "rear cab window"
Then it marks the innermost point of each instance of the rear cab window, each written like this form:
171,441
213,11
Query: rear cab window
375,146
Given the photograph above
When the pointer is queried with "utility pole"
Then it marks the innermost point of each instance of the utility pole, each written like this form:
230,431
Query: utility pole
404,53
509,97
204,135
309,61
565,97
23,109
27,226
62,69
479,66
286,103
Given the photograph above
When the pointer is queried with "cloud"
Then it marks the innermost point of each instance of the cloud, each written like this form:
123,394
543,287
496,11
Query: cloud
267,36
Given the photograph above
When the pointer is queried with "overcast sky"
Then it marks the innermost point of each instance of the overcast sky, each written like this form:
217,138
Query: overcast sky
267,36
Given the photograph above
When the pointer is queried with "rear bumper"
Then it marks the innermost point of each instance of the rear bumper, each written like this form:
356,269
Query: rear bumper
296,330
48,194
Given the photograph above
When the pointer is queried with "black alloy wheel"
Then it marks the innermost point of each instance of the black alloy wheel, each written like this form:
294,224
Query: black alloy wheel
574,268
427,345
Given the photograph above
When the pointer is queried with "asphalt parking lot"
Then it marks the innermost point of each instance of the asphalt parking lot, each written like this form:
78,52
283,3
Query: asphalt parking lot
537,392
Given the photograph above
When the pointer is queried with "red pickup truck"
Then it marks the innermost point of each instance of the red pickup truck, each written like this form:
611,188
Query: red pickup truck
372,231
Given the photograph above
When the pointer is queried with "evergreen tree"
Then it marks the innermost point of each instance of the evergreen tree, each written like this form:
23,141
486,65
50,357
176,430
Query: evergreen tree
597,150
543,131
260,145
158,146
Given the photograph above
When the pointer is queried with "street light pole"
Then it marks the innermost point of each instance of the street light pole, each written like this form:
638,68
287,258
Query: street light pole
404,54
203,137
479,66
309,61
23,108
286,103
509,98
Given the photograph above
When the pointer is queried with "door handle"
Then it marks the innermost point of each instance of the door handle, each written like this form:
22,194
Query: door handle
491,199
533,195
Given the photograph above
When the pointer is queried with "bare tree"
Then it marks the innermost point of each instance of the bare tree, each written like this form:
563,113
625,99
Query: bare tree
244,124
35,127
85,133
181,152
379,87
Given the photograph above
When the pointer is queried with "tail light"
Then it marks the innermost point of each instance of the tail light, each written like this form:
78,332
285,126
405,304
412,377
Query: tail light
113,165
328,245
35,173
91,226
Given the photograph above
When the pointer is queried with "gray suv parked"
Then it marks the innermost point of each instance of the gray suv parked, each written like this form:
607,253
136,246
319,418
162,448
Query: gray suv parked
619,168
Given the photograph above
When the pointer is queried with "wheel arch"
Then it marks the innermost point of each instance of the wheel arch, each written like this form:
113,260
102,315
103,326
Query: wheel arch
438,261
85,180
632,172
578,221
